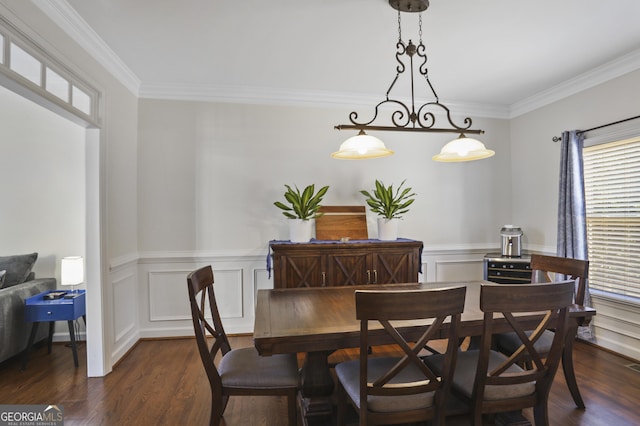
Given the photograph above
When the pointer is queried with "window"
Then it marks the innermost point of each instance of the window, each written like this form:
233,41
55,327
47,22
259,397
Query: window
25,64
81,100
612,191
57,85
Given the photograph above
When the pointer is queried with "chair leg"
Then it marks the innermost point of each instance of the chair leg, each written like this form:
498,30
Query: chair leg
342,405
476,418
292,407
218,405
569,372
214,419
541,414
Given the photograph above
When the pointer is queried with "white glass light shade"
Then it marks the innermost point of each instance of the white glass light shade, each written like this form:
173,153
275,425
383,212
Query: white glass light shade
72,270
463,149
360,147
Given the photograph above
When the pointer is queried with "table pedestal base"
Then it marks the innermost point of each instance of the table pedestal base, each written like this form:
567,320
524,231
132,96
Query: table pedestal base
317,389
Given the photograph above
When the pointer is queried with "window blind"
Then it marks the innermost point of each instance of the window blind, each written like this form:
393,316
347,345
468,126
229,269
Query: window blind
612,191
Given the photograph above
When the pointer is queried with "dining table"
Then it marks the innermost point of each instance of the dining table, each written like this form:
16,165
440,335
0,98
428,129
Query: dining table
317,321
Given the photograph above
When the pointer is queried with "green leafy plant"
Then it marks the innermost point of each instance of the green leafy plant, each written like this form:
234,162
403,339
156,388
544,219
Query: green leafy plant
388,203
303,205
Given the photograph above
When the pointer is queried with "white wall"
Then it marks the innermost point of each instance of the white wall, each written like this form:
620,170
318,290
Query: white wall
42,182
209,174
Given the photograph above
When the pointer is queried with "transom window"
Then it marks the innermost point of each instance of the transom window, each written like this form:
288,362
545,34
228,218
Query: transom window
612,191
22,60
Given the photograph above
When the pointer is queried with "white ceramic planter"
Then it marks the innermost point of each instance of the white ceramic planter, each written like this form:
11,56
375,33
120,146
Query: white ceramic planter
300,230
387,229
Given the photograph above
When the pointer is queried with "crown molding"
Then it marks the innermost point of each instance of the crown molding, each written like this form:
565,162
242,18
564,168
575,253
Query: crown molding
613,69
248,94
287,97
65,16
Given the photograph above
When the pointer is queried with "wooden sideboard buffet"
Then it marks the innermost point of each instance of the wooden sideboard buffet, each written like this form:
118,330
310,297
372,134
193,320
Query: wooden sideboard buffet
334,263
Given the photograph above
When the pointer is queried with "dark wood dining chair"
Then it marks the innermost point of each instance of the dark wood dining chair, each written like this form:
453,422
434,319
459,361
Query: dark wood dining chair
403,389
545,269
239,371
491,382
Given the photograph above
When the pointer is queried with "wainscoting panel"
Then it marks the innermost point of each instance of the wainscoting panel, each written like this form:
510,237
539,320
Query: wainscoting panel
168,299
422,275
122,323
458,270
261,281
229,293
452,264
165,312
168,296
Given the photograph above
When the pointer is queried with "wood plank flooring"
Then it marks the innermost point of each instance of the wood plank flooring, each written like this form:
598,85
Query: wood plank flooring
161,382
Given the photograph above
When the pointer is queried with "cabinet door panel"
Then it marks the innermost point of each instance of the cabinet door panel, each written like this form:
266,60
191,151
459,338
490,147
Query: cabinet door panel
391,267
348,269
300,271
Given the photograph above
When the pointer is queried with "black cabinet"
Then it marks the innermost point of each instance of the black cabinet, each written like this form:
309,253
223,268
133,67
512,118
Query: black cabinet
507,270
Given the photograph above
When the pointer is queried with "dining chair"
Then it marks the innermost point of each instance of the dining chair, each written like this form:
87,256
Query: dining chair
541,268
402,389
491,382
239,371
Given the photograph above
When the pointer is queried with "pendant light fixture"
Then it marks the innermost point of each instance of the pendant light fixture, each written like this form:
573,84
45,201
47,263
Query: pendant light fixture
411,118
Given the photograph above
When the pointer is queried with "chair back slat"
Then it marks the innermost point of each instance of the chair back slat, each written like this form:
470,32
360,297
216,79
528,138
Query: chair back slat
574,269
528,340
401,305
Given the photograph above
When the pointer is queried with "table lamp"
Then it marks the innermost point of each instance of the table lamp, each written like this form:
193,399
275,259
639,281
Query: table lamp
72,273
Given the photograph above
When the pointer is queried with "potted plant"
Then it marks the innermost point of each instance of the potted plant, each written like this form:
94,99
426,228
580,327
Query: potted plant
303,207
390,205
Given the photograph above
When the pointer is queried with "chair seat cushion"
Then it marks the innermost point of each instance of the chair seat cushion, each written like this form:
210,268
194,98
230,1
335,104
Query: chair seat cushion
465,372
349,375
509,342
245,368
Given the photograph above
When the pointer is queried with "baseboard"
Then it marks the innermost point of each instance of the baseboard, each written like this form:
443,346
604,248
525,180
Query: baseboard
609,350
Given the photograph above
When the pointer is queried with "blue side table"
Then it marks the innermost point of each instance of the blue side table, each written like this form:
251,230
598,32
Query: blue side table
40,309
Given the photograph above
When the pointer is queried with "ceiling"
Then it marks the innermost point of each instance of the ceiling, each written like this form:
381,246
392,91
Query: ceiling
496,55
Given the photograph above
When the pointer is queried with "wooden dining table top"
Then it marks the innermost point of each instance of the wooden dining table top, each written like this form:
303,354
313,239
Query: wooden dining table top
324,318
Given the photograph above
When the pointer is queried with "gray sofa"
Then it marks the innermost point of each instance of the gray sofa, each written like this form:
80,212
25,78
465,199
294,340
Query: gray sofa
18,283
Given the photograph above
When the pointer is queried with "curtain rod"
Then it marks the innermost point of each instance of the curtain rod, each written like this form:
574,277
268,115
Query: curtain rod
556,138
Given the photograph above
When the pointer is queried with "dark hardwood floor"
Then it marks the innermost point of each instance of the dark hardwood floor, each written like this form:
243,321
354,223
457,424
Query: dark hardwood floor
161,382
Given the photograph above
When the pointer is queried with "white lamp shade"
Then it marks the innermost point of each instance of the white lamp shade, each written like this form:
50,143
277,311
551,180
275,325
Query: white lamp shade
360,147
463,149
72,270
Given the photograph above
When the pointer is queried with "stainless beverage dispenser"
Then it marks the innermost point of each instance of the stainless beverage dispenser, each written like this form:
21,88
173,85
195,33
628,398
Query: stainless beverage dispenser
511,241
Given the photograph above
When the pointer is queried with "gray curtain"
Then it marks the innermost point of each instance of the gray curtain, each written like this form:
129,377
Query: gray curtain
572,226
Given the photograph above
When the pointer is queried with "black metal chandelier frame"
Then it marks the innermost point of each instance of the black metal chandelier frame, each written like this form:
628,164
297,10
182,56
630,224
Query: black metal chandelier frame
404,117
